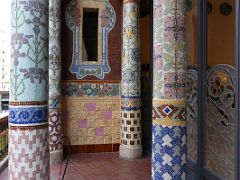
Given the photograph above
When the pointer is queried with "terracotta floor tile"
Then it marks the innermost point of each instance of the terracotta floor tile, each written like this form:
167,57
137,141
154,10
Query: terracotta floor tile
100,166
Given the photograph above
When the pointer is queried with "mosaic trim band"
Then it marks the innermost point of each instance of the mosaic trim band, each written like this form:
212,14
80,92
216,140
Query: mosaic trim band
28,127
99,89
169,112
131,103
28,103
35,115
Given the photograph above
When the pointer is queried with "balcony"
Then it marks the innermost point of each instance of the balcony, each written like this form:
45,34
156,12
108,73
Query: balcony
3,139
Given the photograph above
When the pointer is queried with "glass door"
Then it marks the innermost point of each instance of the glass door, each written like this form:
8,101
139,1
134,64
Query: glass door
212,110
220,107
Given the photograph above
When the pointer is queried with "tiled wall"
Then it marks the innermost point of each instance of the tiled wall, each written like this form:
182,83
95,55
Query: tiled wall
91,106
91,113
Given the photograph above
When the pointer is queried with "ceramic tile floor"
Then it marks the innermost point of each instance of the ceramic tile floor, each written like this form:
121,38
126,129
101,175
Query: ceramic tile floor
101,166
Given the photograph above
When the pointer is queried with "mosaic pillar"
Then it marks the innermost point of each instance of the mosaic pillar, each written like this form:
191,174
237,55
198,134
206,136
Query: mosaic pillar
55,129
169,96
28,106
131,147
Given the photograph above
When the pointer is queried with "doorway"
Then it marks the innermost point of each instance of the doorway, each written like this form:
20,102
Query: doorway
212,89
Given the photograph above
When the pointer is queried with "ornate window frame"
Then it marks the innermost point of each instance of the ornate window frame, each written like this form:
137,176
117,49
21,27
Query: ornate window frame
107,19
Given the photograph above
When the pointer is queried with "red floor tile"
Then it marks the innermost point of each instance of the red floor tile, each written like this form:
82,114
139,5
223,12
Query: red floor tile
100,166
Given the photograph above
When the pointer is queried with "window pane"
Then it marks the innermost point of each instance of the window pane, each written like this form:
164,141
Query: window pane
90,34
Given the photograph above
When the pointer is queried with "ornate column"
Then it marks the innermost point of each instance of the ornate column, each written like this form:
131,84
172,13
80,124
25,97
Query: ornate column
131,147
169,96
28,116
55,129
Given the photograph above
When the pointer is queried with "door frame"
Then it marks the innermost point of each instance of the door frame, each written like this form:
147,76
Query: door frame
202,64
237,114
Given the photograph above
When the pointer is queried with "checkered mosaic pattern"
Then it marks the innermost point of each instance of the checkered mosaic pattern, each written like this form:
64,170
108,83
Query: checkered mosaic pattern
169,152
28,153
131,127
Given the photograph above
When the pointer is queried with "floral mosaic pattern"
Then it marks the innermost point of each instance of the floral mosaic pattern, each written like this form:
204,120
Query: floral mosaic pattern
131,80
55,131
169,49
29,51
99,89
169,90
54,54
29,90
108,19
131,67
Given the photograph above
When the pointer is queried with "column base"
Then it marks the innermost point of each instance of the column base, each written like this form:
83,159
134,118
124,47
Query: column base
56,157
128,153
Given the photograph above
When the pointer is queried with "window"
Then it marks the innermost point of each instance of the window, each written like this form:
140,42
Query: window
90,21
90,34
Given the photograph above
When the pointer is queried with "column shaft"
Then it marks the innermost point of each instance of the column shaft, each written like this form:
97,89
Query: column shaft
169,97
28,106
131,147
55,129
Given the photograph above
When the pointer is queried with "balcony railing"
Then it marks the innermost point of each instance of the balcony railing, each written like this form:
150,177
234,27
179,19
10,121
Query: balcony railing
3,135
